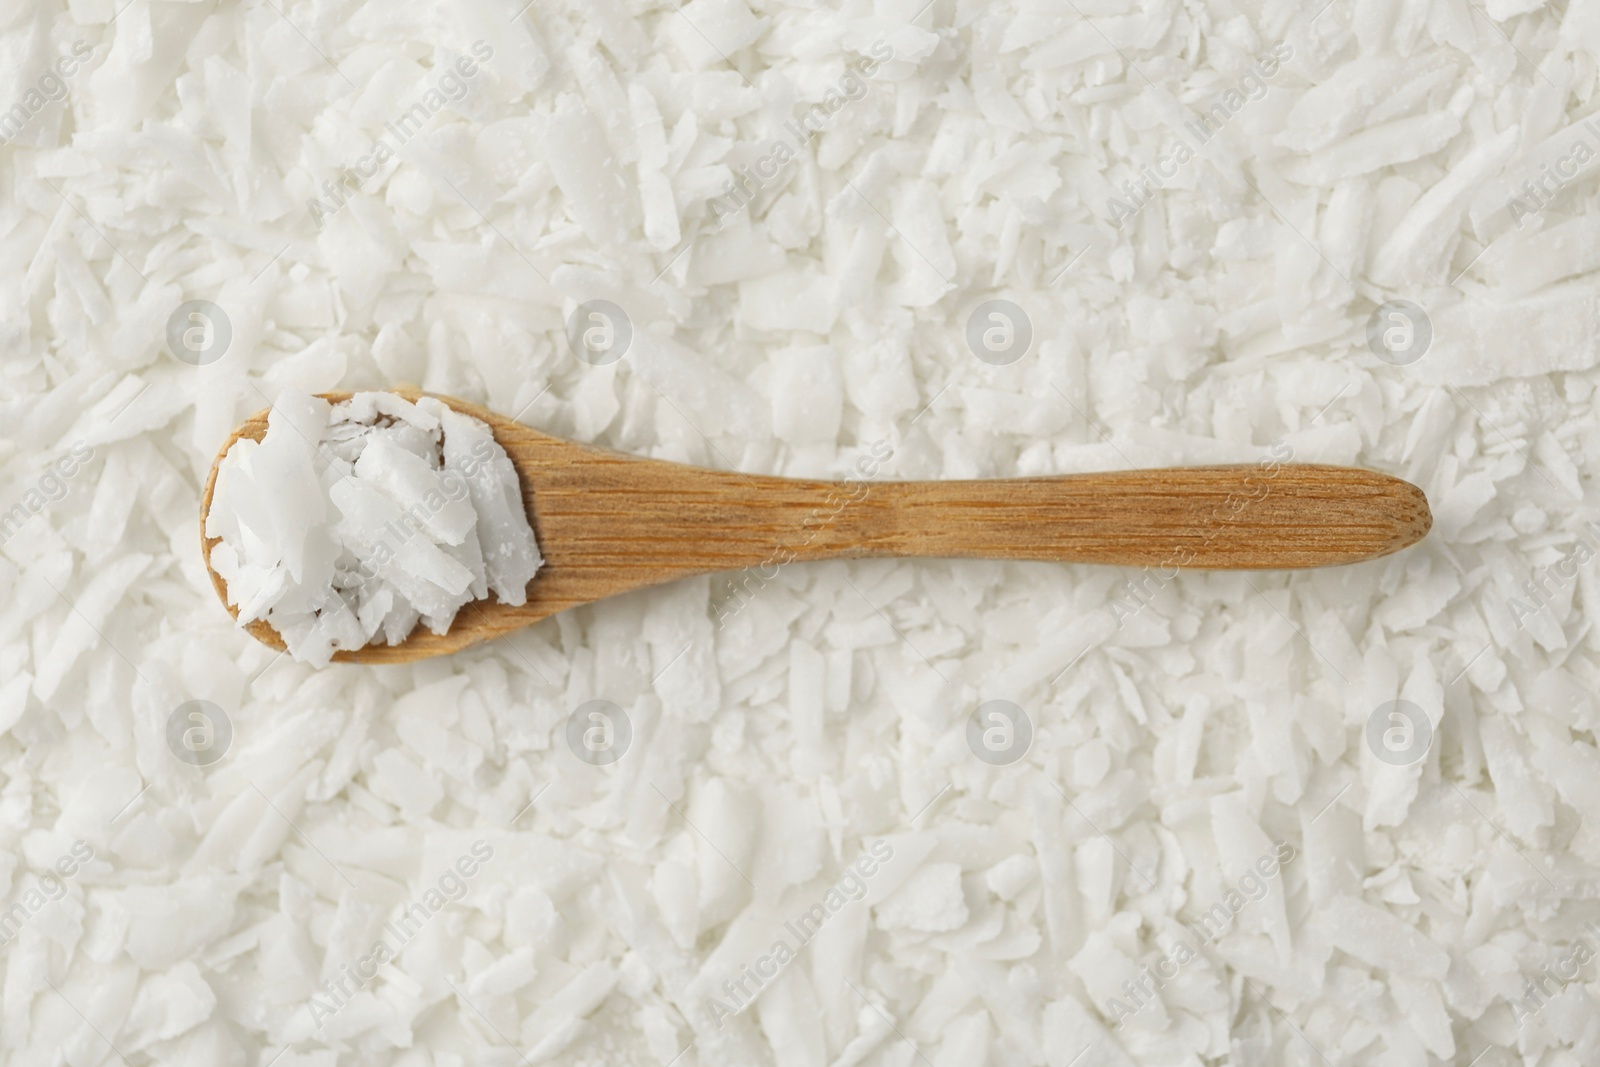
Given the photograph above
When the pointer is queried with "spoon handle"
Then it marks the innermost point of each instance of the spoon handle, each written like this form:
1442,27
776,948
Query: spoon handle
1214,518
613,522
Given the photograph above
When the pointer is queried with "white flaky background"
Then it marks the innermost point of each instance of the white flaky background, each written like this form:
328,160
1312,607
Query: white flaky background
1418,150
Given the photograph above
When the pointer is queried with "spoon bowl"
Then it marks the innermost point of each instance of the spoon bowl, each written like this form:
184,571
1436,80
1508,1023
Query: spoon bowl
608,523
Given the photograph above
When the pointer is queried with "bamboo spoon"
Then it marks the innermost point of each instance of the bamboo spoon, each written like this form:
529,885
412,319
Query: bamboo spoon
608,523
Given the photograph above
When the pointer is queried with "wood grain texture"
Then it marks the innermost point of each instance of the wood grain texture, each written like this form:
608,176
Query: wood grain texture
608,523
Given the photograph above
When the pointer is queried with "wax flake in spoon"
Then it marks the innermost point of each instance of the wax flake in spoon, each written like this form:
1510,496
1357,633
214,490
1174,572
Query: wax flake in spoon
350,523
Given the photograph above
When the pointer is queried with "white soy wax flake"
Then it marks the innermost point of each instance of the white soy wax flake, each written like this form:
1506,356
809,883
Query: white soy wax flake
1365,235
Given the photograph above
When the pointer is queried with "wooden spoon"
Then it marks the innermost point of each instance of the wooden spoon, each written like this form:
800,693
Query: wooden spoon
608,523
